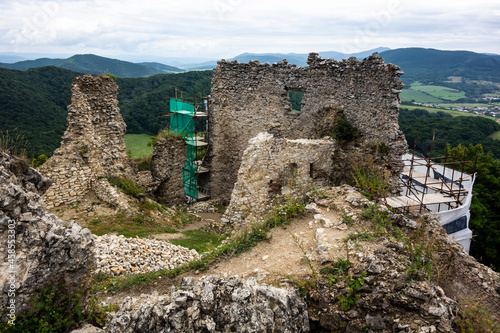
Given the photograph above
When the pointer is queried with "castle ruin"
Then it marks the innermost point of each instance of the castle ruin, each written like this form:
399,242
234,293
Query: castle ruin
250,98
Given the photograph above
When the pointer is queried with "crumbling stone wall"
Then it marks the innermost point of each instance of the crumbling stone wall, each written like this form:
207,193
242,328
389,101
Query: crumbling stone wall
93,144
250,98
169,157
46,248
274,166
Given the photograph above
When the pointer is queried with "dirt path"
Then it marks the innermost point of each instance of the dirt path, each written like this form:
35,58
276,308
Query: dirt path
291,253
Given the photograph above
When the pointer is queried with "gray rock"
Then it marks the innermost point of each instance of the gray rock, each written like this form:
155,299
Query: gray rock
375,322
214,305
46,247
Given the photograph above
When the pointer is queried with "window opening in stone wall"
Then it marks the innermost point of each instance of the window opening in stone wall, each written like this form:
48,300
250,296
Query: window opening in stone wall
295,97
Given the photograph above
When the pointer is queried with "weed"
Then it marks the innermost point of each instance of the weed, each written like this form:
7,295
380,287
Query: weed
379,218
165,134
14,143
143,163
420,251
125,185
372,182
300,245
354,283
282,213
348,220
474,317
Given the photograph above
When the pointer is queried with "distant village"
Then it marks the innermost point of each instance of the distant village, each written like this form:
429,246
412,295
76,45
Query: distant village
487,106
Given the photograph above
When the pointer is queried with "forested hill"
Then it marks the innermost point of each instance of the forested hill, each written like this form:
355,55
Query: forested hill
426,65
92,64
35,102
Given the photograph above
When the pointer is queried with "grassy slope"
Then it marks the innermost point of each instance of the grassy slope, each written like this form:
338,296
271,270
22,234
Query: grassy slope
138,144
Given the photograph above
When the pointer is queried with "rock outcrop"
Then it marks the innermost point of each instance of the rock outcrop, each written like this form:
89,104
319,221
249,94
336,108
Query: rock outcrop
214,305
43,246
93,145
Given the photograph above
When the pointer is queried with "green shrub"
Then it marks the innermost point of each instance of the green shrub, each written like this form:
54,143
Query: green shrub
166,134
38,161
57,308
343,131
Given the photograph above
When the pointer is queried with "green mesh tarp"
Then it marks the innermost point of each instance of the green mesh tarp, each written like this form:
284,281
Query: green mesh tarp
181,120
183,123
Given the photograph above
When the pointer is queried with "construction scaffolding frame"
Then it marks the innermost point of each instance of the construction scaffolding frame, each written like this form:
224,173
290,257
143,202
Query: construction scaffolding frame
432,184
189,118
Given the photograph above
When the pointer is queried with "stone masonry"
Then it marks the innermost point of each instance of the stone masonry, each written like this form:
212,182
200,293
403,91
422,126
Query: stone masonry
93,144
249,98
272,166
169,157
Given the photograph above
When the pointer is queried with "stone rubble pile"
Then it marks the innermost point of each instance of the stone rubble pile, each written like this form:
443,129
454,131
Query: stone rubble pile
118,255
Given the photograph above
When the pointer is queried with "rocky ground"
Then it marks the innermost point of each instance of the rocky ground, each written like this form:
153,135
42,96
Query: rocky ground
305,255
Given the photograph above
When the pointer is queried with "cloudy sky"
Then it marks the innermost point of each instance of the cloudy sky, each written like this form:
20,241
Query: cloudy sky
225,28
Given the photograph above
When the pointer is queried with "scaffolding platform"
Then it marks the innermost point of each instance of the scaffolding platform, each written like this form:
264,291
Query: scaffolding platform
413,200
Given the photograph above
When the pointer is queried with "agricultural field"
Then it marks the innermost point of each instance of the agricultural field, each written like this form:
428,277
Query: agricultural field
495,136
409,95
457,105
453,113
137,144
454,79
440,92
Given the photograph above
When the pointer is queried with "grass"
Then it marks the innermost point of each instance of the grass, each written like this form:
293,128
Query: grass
200,240
137,144
495,136
128,226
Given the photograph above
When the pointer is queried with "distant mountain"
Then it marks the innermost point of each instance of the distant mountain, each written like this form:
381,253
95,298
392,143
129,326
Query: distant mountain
161,67
360,55
27,64
299,59
92,64
430,65
10,59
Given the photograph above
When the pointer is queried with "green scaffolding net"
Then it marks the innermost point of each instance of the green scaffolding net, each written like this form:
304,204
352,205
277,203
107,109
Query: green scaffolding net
182,122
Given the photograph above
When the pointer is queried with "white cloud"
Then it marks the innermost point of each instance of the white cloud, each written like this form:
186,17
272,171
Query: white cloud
224,28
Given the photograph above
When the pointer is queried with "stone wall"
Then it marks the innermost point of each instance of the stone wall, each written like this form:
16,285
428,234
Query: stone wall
169,157
93,144
46,248
249,98
272,166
